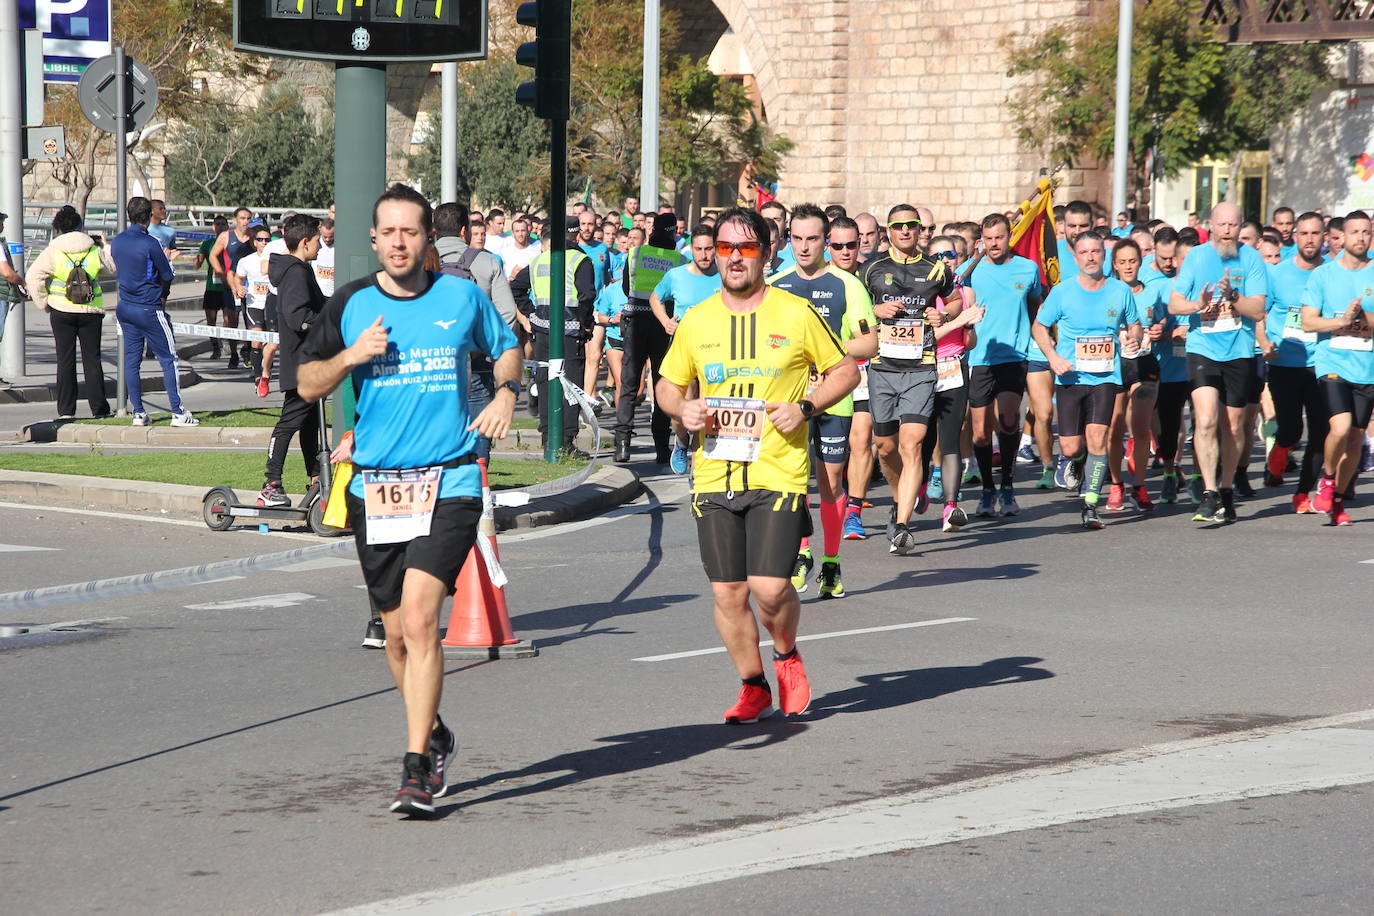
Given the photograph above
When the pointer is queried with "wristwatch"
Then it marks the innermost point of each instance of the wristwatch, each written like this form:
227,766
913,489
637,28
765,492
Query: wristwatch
807,409
513,386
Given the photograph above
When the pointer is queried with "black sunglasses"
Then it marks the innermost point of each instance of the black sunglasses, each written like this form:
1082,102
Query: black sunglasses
905,224
844,246
263,238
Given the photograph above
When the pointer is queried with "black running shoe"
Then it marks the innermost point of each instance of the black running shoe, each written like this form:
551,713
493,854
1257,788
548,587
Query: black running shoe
375,637
1209,509
414,798
443,745
1243,487
1091,520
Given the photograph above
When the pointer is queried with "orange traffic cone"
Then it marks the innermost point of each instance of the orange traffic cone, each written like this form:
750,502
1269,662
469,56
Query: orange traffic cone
479,623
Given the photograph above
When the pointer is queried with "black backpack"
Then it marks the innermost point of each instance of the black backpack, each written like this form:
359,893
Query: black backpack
463,266
80,284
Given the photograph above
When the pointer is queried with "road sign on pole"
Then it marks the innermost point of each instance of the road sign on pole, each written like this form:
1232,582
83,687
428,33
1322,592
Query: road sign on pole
99,90
75,33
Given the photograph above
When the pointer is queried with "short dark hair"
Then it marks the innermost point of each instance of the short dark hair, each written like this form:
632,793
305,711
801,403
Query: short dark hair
298,227
406,194
1079,208
701,229
1308,214
1272,238
751,220
843,222
996,219
1189,236
834,211
899,208
494,212
66,220
157,200
1356,215
1089,234
1336,222
139,210
811,211
1166,235
1278,210
326,223
238,210
450,219
1122,244
1251,224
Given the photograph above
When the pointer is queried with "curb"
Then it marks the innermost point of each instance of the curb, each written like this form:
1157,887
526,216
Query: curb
47,392
233,436
608,487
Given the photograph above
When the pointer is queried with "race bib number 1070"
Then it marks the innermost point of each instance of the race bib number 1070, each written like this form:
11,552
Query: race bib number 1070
734,429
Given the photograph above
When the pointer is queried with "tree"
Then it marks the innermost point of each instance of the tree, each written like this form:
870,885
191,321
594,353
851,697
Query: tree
275,155
503,149
1192,98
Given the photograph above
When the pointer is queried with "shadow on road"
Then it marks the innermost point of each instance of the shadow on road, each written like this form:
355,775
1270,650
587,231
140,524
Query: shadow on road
924,578
898,688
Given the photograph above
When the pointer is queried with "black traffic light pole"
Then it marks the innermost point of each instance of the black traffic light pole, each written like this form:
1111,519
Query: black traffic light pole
550,55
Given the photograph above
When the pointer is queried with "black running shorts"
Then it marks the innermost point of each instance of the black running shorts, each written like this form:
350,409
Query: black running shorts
441,553
1141,370
1080,405
1347,397
830,437
750,533
985,383
1234,379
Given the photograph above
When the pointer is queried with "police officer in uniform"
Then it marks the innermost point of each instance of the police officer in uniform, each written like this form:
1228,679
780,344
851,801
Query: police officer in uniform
531,287
644,336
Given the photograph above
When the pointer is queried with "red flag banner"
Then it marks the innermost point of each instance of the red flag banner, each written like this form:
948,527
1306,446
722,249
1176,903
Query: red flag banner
764,197
1033,235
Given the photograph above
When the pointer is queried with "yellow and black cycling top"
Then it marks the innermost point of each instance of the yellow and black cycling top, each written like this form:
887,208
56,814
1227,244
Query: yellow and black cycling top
913,284
766,353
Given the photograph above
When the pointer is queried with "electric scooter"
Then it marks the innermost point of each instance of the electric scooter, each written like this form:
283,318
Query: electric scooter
222,505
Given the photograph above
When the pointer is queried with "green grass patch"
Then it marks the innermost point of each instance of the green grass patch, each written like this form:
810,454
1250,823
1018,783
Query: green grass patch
252,416
239,470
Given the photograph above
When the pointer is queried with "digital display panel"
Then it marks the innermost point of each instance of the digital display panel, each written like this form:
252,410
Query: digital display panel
371,30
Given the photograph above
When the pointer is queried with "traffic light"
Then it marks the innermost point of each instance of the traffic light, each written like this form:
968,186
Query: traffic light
550,55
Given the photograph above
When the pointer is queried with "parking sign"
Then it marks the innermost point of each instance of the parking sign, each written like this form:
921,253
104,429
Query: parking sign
75,32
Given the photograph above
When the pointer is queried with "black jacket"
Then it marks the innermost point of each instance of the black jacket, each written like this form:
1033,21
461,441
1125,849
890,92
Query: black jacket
299,301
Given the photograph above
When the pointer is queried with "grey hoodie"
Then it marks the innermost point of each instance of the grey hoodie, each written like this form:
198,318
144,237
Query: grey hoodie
486,273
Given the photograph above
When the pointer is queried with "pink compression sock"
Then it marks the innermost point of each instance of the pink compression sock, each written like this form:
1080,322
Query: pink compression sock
832,524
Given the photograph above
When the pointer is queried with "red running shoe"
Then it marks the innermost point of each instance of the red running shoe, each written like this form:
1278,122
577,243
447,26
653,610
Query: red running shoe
1302,505
1326,489
1338,514
754,703
1115,497
1275,465
263,388
1142,498
793,685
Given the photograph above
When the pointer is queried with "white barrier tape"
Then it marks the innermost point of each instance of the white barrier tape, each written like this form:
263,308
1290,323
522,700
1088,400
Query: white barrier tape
124,586
494,571
205,330
574,395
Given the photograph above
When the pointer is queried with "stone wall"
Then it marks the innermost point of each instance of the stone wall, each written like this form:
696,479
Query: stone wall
899,100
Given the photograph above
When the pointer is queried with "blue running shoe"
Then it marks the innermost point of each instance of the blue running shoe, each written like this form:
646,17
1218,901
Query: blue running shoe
1026,454
935,490
853,527
1061,473
678,461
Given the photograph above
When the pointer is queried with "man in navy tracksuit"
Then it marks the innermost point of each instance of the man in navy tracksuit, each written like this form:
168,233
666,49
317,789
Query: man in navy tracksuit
145,277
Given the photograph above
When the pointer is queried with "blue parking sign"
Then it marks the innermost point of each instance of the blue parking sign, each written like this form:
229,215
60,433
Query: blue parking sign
75,32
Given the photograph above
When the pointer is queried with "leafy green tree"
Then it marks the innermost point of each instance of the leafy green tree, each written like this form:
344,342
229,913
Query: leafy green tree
275,155
1192,98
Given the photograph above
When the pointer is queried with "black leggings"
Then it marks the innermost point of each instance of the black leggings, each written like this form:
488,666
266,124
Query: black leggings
297,416
645,342
947,419
1172,397
1295,390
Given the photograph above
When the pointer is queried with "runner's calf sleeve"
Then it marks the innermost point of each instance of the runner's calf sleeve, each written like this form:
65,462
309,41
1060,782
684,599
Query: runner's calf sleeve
1009,443
983,455
832,524
1096,471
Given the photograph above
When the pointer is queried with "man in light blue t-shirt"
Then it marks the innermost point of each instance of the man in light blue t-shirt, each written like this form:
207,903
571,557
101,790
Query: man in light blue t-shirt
1222,288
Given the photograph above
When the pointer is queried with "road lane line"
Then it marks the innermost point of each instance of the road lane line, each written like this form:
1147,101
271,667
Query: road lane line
135,517
837,633
1266,762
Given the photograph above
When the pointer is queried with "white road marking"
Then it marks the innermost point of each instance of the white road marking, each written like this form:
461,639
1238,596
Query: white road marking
769,642
22,548
135,517
288,599
321,563
1272,761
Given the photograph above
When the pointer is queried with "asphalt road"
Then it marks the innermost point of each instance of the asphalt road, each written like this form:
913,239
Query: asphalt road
228,747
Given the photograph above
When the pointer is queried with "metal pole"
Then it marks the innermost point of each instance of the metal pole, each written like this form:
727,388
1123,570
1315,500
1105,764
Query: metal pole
121,198
448,132
359,177
1121,144
648,157
558,239
12,182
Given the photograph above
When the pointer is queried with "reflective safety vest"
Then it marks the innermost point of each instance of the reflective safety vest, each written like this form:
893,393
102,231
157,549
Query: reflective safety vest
647,265
63,263
541,289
